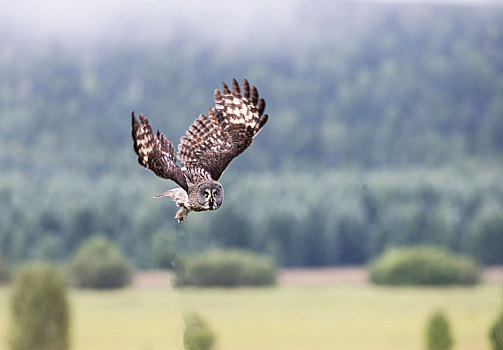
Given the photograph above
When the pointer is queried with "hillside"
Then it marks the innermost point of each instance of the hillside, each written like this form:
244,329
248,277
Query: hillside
386,127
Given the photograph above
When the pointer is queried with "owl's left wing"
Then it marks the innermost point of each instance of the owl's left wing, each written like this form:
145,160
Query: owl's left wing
213,141
156,152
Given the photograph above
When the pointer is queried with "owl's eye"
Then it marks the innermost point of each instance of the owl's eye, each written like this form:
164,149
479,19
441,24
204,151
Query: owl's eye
214,193
206,194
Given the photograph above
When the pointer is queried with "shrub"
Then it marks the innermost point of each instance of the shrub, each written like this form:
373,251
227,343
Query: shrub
39,310
496,334
99,264
163,252
423,266
198,335
488,239
225,268
438,333
4,272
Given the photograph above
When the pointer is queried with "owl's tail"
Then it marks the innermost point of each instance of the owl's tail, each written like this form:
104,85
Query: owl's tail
180,197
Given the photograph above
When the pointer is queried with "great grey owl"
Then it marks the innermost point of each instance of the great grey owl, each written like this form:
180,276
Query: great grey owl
211,142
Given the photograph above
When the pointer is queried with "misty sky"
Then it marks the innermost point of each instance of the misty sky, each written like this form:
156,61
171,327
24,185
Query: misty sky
91,19
56,19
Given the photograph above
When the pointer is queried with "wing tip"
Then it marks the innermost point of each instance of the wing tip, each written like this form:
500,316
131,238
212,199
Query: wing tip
262,121
246,89
133,118
227,91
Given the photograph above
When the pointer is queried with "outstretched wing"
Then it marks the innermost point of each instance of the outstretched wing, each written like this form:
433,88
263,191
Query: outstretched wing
213,141
156,152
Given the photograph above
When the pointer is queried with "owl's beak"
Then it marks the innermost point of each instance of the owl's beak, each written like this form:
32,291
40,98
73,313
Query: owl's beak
211,202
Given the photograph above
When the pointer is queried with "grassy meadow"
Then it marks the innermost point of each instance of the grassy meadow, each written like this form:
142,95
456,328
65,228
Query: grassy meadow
284,317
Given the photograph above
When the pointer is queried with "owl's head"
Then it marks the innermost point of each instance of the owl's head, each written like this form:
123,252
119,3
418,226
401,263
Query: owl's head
210,195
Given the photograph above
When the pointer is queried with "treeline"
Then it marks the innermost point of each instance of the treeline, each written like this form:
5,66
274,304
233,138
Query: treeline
300,219
401,85
366,102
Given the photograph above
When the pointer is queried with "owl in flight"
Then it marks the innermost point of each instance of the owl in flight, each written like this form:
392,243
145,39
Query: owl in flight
211,142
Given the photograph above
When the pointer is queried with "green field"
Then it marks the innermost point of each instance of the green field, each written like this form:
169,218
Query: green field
315,317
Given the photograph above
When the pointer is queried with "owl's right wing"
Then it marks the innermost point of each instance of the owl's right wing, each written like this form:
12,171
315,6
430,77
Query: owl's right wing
156,152
213,141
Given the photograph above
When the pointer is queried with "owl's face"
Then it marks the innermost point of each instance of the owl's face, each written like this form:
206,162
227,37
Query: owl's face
210,195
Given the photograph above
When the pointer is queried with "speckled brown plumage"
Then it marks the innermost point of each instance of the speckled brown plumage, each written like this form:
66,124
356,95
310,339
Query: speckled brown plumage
207,148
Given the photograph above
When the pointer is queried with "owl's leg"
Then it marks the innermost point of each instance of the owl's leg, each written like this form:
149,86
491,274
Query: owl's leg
181,214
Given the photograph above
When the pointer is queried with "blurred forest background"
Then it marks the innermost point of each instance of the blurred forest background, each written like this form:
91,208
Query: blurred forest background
385,129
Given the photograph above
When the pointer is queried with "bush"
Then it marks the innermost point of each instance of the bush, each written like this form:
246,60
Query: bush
488,239
99,264
438,333
496,334
39,310
163,252
198,335
225,268
4,272
423,266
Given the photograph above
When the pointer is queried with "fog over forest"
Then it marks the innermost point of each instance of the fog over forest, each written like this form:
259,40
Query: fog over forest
385,127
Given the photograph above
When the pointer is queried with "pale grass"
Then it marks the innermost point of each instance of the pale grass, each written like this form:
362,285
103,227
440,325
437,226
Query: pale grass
320,317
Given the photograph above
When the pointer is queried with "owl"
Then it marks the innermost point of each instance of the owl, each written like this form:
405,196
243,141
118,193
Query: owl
209,145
